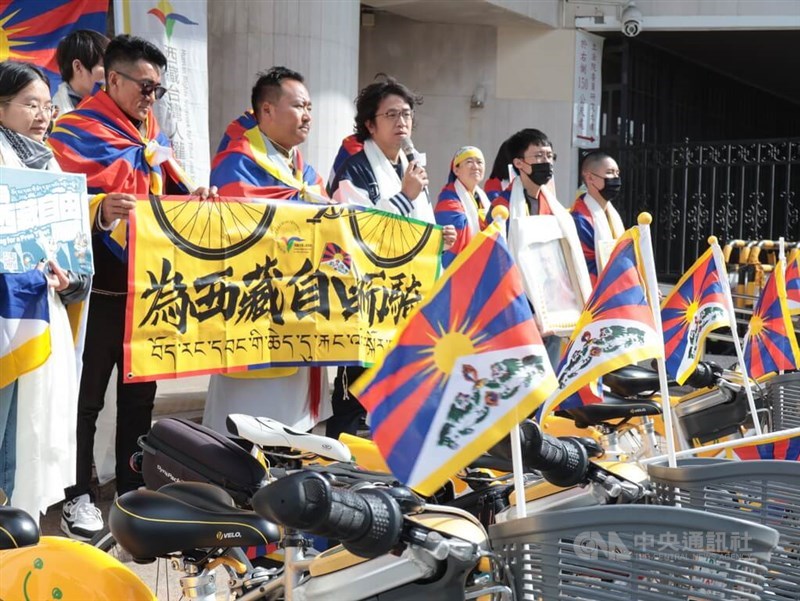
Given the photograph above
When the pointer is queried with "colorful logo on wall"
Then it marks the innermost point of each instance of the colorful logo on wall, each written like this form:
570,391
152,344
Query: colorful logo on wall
164,12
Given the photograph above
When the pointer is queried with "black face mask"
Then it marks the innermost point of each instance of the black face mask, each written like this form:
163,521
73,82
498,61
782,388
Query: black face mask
541,173
611,188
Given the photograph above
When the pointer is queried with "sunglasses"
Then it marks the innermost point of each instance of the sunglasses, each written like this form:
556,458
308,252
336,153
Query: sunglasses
146,87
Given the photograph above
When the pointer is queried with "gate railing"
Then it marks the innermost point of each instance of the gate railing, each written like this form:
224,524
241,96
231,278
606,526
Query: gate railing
747,190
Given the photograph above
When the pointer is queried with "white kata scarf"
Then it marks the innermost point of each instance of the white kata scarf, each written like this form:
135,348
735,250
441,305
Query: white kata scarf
390,184
607,228
468,201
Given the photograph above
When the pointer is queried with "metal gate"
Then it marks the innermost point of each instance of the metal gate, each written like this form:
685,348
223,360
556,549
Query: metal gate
653,104
747,190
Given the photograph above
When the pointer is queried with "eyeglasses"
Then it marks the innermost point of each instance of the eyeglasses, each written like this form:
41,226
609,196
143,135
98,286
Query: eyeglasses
406,114
146,87
542,157
36,109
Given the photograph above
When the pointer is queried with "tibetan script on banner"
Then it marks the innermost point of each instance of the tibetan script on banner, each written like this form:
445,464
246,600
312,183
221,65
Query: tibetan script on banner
235,284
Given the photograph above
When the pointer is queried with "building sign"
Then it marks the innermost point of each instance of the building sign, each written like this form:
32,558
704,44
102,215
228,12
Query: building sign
179,29
587,90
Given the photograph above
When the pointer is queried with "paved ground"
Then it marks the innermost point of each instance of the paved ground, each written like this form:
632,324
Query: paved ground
183,398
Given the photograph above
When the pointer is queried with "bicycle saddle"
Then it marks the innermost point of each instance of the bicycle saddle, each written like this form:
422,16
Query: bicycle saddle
153,524
632,380
17,529
611,408
267,432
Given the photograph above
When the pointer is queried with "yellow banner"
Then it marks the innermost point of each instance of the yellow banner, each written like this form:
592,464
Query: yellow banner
237,284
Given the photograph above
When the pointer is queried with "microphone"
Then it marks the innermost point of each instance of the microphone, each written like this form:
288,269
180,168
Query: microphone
411,155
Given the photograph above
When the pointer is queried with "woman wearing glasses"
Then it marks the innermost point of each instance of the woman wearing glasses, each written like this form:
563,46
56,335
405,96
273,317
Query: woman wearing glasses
36,347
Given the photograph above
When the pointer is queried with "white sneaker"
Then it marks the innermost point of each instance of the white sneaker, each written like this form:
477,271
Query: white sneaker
80,519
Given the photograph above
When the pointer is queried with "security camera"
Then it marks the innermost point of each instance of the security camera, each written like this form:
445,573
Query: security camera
631,20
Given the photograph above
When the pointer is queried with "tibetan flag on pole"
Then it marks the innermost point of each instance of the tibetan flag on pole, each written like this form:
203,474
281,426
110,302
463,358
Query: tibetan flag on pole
24,324
30,30
468,365
616,327
793,282
770,343
695,307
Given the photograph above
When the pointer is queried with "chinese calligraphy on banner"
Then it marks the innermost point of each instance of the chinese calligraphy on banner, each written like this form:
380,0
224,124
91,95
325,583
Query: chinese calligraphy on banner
587,90
232,285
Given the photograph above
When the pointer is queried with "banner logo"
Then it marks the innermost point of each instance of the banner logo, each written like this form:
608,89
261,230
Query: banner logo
164,12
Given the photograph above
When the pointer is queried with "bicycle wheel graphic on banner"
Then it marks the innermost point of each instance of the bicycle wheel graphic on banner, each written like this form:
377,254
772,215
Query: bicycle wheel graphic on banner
388,242
211,229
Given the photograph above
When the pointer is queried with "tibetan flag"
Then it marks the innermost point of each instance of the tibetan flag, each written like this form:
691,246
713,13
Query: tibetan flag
781,447
695,307
30,30
793,282
243,167
350,146
467,366
615,329
770,344
24,324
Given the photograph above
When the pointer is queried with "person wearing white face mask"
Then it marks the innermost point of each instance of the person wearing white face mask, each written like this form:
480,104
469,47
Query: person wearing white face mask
38,370
596,219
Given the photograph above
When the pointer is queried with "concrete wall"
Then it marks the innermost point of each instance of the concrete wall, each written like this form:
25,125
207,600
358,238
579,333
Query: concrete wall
318,38
446,63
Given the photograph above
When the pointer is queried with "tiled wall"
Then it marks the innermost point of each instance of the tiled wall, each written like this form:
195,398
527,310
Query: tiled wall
318,38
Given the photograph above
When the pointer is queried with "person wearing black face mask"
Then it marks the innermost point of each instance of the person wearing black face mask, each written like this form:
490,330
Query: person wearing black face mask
596,219
529,195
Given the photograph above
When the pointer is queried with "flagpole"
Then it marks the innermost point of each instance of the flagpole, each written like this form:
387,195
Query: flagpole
781,261
719,261
733,443
500,216
646,245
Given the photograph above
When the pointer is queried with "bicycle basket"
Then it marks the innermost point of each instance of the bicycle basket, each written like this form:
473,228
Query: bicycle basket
764,492
634,553
783,393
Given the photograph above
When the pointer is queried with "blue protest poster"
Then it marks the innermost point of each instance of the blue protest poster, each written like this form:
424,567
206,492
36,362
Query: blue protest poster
44,215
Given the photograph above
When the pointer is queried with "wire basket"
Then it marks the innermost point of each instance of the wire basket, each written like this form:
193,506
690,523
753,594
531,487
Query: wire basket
764,492
783,393
634,553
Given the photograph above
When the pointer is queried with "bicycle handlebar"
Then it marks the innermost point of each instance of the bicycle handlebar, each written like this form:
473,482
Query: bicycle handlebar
367,522
705,375
561,461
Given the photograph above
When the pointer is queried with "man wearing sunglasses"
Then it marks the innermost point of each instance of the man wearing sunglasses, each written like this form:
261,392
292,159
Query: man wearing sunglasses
113,138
